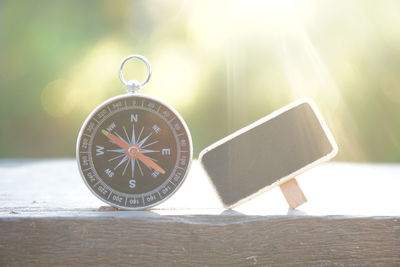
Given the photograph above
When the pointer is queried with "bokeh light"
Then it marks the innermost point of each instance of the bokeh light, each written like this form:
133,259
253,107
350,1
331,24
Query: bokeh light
221,64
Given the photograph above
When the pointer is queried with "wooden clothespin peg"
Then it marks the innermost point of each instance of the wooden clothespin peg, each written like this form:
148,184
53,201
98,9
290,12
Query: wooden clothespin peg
293,193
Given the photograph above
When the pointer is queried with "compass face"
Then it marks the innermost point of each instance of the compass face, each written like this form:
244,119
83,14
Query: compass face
134,151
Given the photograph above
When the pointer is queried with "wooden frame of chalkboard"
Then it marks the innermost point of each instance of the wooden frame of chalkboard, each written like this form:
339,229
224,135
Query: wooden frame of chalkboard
268,152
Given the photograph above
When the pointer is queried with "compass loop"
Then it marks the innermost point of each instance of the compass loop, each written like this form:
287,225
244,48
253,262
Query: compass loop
134,86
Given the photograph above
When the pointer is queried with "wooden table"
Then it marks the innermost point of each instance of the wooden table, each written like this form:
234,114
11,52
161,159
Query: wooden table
49,217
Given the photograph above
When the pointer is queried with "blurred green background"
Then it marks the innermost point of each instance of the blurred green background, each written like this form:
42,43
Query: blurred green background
221,64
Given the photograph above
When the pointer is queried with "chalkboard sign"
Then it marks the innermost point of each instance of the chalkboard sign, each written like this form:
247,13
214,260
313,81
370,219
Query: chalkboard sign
268,152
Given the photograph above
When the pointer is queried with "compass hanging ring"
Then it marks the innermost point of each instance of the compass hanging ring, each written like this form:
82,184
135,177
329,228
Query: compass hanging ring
133,86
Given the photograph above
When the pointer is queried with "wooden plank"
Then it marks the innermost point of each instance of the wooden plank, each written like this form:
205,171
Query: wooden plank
54,188
49,217
225,240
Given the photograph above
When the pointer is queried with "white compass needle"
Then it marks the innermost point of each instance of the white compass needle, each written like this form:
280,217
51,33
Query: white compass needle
140,168
133,141
122,161
140,134
126,134
149,144
144,139
126,166
133,167
148,151
121,138
117,157
116,150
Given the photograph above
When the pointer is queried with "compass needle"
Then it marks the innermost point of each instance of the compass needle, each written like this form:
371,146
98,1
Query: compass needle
141,131
133,141
117,140
147,161
116,150
127,143
122,161
152,143
126,166
140,168
148,151
133,150
116,157
145,139
133,167
127,137
152,159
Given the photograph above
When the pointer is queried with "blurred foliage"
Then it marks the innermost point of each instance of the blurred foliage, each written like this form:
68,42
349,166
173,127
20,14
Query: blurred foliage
222,64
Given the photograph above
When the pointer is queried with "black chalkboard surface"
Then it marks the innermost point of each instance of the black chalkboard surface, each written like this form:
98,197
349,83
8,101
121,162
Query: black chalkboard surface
268,152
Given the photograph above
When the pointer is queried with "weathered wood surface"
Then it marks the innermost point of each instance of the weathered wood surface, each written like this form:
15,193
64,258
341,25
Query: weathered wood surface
352,218
155,240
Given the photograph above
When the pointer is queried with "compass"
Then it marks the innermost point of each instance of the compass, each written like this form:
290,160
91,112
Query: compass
133,150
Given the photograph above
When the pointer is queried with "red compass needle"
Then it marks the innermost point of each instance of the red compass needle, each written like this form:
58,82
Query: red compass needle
116,140
149,162
146,160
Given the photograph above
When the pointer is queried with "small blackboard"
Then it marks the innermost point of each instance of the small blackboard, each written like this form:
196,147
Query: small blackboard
268,152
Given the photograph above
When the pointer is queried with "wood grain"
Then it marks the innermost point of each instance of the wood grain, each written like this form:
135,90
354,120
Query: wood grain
49,218
225,240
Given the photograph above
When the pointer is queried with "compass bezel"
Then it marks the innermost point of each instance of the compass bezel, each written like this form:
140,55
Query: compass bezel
150,98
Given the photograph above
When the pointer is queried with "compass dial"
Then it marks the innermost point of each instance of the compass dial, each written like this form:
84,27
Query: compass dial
134,151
